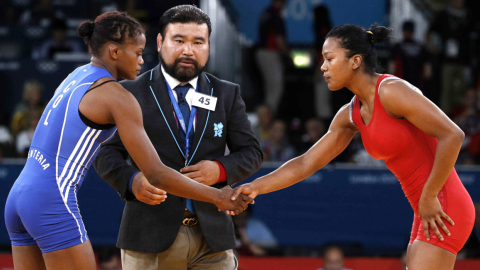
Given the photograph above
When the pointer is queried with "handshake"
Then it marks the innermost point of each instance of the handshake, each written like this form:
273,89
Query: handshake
234,201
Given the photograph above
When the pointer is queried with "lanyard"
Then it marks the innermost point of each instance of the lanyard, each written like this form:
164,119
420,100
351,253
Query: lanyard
180,118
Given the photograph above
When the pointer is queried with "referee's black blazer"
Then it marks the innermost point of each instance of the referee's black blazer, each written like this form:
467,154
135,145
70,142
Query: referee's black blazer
153,229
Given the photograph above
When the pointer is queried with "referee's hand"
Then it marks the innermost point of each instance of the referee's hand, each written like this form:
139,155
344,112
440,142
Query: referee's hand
146,192
204,172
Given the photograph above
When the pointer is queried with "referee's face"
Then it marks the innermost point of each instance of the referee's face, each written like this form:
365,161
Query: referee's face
184,50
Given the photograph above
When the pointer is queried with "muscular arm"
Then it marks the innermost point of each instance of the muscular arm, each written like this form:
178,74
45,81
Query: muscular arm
401,100
337,138
120,107
127,115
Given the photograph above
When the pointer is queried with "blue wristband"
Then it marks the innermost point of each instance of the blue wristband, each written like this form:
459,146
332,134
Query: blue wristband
131,181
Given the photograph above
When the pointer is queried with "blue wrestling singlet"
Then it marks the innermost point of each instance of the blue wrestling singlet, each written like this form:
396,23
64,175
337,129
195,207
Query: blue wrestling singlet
42,205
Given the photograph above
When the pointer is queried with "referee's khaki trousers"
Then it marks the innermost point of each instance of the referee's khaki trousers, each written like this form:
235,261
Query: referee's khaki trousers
189,251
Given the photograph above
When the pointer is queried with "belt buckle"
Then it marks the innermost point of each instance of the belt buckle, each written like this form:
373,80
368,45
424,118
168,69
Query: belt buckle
190,222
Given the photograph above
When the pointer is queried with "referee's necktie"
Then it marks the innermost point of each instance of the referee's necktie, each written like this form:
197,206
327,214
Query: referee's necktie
185,109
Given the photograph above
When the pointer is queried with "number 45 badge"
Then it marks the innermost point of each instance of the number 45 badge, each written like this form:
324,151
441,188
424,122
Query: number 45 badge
204,101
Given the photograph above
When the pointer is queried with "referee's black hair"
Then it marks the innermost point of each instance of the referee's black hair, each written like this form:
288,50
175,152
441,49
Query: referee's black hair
183,14
112,26
357,40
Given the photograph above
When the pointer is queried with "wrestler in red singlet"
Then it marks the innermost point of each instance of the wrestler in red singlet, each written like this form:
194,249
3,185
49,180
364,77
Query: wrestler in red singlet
423,163
409,153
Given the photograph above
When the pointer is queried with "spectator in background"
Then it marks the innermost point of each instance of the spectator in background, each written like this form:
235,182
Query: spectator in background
31,96
410,58
321,26
24,138
59,42
450,33
41,14
141,10
7,146
326,102
253,235
264,123
8,14
467,117
277,148
5,136
6,142
32,101
109,258
314,130
333,259
271,52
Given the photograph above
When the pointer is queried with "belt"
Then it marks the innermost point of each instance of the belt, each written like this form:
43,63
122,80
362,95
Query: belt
190,222
189,219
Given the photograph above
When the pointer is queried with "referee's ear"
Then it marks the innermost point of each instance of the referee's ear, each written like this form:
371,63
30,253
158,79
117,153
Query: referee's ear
159,42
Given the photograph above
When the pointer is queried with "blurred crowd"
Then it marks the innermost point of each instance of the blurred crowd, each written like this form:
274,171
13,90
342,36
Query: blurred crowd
444,67
15,139
288,117
45,30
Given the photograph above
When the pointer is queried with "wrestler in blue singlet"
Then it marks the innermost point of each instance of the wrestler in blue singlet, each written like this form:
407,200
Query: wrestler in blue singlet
42,206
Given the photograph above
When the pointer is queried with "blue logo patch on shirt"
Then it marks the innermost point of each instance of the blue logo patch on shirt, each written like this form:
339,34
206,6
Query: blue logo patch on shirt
218,129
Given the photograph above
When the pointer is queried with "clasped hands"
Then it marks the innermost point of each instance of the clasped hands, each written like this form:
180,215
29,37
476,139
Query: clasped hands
245,192
206,172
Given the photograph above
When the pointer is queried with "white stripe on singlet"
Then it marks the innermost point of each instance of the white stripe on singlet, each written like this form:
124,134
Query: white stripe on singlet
72,155
81,163
79,176
386,79
58,154
76,163
350,110
70,170
63,128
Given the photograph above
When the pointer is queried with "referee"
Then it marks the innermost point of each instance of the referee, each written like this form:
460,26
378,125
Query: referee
191,117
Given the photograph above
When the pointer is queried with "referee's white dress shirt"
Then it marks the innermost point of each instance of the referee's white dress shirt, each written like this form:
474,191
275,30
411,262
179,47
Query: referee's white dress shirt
188,97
